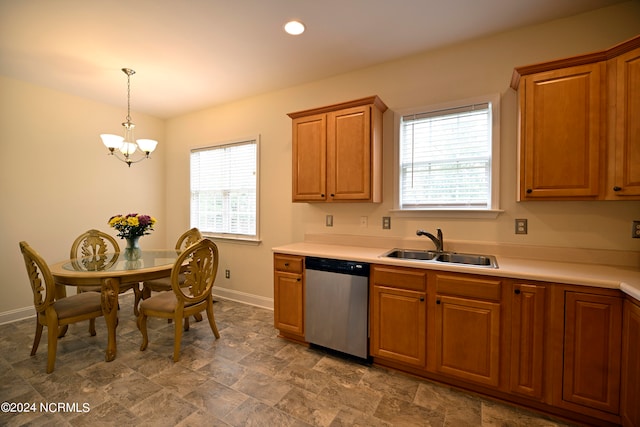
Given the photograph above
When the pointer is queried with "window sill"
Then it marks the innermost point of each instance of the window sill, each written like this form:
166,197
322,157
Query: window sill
233,239
448,213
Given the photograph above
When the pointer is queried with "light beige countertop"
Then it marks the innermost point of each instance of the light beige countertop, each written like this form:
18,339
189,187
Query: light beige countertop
623,277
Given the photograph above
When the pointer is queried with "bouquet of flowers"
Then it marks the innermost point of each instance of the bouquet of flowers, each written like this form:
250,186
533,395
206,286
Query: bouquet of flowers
132,225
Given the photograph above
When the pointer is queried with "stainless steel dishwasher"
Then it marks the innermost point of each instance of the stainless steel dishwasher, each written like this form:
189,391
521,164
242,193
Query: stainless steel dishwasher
336,307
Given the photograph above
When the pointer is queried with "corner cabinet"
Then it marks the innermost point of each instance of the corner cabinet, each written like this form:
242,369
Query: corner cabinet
337,152
630,398
579,131
288,296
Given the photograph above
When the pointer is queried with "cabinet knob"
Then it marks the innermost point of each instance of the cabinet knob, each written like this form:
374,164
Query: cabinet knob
529,191
322,195
421,299
517,291
286,264
298,279
616,188
437,301
333,195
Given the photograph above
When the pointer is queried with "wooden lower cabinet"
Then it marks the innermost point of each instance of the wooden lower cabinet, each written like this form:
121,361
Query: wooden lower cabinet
467,328
591,353
527,328
630,393
398,310
288,295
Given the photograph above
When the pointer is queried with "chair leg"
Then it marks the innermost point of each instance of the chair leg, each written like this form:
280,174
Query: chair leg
177,338
92,327
212,320
137,297
36,340
63,331
198,317
52,342
142,325
186,324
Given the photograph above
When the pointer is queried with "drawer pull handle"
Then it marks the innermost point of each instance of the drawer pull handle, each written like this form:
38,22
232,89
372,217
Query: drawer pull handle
286,264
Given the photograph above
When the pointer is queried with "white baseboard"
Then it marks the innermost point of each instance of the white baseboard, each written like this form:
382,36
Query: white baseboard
18,314
242,297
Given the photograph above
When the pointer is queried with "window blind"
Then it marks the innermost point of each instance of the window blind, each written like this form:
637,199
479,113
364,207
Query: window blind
224,189
445,158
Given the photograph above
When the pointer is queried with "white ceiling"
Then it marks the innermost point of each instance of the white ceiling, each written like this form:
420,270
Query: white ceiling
192,54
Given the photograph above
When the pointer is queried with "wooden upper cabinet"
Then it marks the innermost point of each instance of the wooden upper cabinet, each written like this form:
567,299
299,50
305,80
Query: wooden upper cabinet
579,126
561,135
310,158
625,71
337,152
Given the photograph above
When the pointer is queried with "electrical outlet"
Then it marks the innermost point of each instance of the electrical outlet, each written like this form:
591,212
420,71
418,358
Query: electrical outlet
386,223
227,274
635,231
329,221
521,226
364,221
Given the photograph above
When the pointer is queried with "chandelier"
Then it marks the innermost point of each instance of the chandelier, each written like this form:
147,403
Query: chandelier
126,148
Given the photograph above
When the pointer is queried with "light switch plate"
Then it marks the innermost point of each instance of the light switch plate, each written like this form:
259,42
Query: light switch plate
386,223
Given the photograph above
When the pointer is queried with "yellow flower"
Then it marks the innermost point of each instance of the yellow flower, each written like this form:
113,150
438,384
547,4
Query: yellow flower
133,221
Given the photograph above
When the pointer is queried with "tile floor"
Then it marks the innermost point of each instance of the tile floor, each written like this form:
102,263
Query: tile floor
247,378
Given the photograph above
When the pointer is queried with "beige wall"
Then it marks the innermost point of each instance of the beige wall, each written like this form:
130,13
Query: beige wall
462,71
56,180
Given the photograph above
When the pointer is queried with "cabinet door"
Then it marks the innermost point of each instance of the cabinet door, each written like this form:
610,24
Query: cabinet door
630,405
398,325
309,158
561,133
349,154
527,339
288,303
468,339
592,342
627,136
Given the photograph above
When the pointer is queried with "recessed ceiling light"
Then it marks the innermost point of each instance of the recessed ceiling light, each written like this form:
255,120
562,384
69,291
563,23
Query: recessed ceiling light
294,28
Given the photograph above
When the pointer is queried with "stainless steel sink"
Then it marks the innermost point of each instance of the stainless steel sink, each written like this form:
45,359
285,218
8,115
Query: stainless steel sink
488,261
412,254
468,259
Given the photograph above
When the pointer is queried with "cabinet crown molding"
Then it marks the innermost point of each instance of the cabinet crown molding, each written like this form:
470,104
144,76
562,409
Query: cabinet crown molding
355,103
572,61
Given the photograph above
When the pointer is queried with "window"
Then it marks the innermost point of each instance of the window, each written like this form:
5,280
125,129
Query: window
448,157
224,196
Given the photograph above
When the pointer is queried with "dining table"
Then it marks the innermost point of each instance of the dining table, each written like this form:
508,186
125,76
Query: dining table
109,271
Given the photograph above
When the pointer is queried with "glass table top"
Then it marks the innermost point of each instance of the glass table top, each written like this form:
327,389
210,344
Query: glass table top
123,261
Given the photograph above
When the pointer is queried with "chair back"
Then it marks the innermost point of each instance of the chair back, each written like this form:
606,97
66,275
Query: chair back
40,277
94,250
199,264
188,238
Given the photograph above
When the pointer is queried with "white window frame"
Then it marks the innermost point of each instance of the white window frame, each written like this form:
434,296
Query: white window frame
224,235
491,211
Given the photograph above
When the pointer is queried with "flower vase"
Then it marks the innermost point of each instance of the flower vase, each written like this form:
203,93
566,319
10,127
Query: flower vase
132,252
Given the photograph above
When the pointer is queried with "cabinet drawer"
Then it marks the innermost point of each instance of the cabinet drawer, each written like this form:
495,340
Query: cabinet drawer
471,287
288,263
398,277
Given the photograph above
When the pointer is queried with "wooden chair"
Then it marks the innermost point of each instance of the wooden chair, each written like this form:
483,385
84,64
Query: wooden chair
53,313
187,239
199,265
95,250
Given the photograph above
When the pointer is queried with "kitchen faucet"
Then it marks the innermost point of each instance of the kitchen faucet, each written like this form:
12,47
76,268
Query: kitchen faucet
438,241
